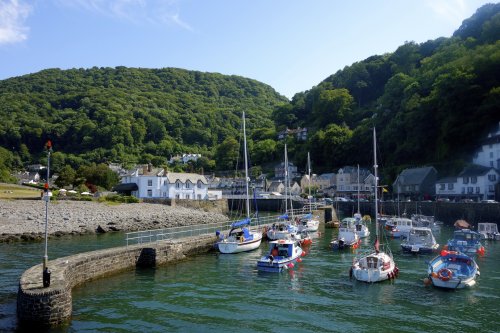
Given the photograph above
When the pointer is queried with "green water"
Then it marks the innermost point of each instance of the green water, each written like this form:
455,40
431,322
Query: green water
225,293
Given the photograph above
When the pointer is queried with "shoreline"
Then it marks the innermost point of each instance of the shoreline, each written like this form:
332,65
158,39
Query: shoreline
24,220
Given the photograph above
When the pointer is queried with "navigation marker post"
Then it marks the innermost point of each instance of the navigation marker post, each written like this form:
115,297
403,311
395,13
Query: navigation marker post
46,198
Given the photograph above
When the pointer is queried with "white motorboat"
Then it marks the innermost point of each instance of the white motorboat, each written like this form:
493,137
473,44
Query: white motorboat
283,254
420,240
488,230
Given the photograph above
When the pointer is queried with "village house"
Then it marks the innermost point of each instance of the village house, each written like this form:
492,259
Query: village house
416,183
299,133
149,182
475,182
279,171
320,182
488,155
348,185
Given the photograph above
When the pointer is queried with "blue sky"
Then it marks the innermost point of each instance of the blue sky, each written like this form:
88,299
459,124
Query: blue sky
291,45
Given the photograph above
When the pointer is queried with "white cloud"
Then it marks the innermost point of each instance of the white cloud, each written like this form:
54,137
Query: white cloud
136,11
13,14
454,11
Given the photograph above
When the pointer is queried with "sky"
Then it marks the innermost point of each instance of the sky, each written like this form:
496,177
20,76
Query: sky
291,45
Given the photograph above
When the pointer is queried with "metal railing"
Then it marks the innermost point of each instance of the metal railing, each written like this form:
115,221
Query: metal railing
156,235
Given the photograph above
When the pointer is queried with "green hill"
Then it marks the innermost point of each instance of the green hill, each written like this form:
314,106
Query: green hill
128,115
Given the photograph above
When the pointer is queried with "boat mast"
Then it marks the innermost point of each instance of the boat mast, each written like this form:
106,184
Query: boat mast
309,173
246,166
375,166
358,190
286,183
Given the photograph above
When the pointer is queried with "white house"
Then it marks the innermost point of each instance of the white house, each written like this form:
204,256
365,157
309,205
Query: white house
149,182
475,182
489,153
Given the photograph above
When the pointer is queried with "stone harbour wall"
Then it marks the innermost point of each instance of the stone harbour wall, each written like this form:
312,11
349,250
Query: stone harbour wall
52,306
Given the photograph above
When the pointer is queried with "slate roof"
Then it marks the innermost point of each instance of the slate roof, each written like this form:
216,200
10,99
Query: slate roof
184,177
474,170
414,175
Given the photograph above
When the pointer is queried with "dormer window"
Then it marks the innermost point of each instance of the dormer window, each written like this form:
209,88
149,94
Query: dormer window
177,184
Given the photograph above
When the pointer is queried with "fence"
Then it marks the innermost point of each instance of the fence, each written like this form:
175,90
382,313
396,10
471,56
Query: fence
155,235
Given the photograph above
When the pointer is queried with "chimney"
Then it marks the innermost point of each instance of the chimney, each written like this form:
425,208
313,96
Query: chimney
150,167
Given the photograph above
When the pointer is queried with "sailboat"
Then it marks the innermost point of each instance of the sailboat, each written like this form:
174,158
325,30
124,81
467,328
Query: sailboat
240,237
308,222
285,228
376,265
361,228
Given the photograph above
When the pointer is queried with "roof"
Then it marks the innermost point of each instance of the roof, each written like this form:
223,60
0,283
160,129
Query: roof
447,180
414,175
474,170
184,177
126,187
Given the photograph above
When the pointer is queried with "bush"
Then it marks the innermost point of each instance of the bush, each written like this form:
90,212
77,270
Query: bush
121,198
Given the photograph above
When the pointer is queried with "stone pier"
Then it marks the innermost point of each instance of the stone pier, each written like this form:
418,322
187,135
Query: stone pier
52,306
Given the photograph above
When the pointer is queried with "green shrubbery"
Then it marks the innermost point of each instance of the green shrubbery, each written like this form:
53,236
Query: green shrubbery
119,198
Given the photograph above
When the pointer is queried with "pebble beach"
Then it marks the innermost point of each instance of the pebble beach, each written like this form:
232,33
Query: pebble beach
25,219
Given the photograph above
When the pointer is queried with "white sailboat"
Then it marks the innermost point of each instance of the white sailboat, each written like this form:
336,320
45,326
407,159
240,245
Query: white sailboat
376,265
241,238
285,228
309,222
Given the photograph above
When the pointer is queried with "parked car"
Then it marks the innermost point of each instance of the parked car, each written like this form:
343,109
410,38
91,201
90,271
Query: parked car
341,199
489,201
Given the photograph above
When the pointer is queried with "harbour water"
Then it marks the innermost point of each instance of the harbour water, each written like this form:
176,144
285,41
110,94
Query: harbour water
225,293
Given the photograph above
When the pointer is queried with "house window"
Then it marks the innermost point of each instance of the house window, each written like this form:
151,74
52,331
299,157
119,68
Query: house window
450,186
165,182
199,183
470,190
492,178
466,180
165,194
478,189
150,193
463,190
491,188
473,179
199,196
177,185
491,154
177,196
150,182
442,187
491,163
187,196
188,184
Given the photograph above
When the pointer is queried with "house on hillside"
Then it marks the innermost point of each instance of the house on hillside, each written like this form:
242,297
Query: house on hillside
279,171
148,182
299,133
488,155
276,186
416,183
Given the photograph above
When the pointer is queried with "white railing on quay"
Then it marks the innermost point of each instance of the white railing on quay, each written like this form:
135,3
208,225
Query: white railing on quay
156,235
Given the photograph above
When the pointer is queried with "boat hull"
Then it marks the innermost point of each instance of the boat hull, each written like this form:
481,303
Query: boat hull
419,249
370,270
452,270
228,247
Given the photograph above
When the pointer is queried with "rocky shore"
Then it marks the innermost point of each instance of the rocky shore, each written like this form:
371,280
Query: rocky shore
25,219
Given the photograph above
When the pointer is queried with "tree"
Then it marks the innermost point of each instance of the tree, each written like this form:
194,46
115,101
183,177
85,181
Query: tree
227,154
66,177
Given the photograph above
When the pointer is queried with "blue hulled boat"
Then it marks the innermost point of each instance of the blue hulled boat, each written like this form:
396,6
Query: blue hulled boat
453,270
466,241
282,255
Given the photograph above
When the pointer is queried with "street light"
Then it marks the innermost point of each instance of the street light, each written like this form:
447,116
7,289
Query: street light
46,198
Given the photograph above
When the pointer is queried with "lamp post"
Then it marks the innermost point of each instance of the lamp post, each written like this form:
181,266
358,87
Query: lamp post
46,198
